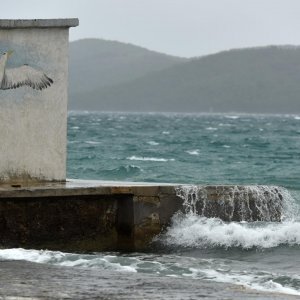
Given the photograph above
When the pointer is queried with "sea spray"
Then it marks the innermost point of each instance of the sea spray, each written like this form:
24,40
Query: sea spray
193,228
237,203
103,261
199,232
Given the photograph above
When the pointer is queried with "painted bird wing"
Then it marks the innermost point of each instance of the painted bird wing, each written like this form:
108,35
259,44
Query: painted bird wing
25,75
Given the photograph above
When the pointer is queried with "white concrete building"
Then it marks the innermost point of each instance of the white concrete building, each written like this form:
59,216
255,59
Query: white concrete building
33,99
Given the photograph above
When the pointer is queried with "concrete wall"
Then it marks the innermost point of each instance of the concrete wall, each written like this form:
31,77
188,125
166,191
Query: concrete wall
119,216
85,219
33,122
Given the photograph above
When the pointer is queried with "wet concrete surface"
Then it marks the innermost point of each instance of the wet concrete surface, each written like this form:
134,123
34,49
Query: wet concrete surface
25,280
93,216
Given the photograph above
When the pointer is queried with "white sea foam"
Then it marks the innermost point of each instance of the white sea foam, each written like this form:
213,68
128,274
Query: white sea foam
194,229
142,158
232,117
225,125
211,128
268,203
259,281
201,232
66,259
193,152
152,143
162,265
98,262
32,255
92,142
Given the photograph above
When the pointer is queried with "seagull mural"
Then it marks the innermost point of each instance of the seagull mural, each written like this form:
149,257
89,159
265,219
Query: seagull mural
12,78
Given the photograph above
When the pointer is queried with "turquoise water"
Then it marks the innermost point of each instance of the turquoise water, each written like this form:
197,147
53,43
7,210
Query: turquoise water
194,149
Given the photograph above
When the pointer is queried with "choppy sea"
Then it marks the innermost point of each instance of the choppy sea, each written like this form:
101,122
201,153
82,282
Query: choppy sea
194,149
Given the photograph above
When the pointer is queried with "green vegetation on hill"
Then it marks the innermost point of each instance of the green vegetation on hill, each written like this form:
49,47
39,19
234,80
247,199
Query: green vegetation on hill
263,80
96,63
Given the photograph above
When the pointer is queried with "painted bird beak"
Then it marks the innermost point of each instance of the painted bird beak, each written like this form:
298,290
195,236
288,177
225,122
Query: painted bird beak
9,53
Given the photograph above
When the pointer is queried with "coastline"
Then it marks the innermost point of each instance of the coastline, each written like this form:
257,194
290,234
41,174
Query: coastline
26,280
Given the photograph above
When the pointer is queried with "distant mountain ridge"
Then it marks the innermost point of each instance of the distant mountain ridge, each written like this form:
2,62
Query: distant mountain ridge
96,63
254,80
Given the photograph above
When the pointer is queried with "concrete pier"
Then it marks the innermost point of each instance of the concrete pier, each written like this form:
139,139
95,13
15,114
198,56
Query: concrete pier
88,216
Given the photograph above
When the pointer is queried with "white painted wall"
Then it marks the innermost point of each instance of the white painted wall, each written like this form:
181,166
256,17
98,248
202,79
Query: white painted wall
33,124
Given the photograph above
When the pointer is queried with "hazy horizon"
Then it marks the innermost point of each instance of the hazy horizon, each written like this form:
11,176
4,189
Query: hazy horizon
176,27
188,57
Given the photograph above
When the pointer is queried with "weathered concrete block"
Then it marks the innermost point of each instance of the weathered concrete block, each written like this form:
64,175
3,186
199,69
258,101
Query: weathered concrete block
146,190
33,99
121,190
70,223
152,214
114,217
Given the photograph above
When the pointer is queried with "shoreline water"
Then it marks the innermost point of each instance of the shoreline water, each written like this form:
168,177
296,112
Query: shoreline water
27,280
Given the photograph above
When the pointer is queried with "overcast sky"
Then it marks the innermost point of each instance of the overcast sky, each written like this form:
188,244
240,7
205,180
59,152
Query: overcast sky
179,27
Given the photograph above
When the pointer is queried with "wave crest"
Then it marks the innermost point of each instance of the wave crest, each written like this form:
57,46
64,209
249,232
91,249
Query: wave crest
142,158
201,232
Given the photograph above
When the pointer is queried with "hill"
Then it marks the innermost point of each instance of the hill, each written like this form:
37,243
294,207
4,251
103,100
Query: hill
264,80
96,63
